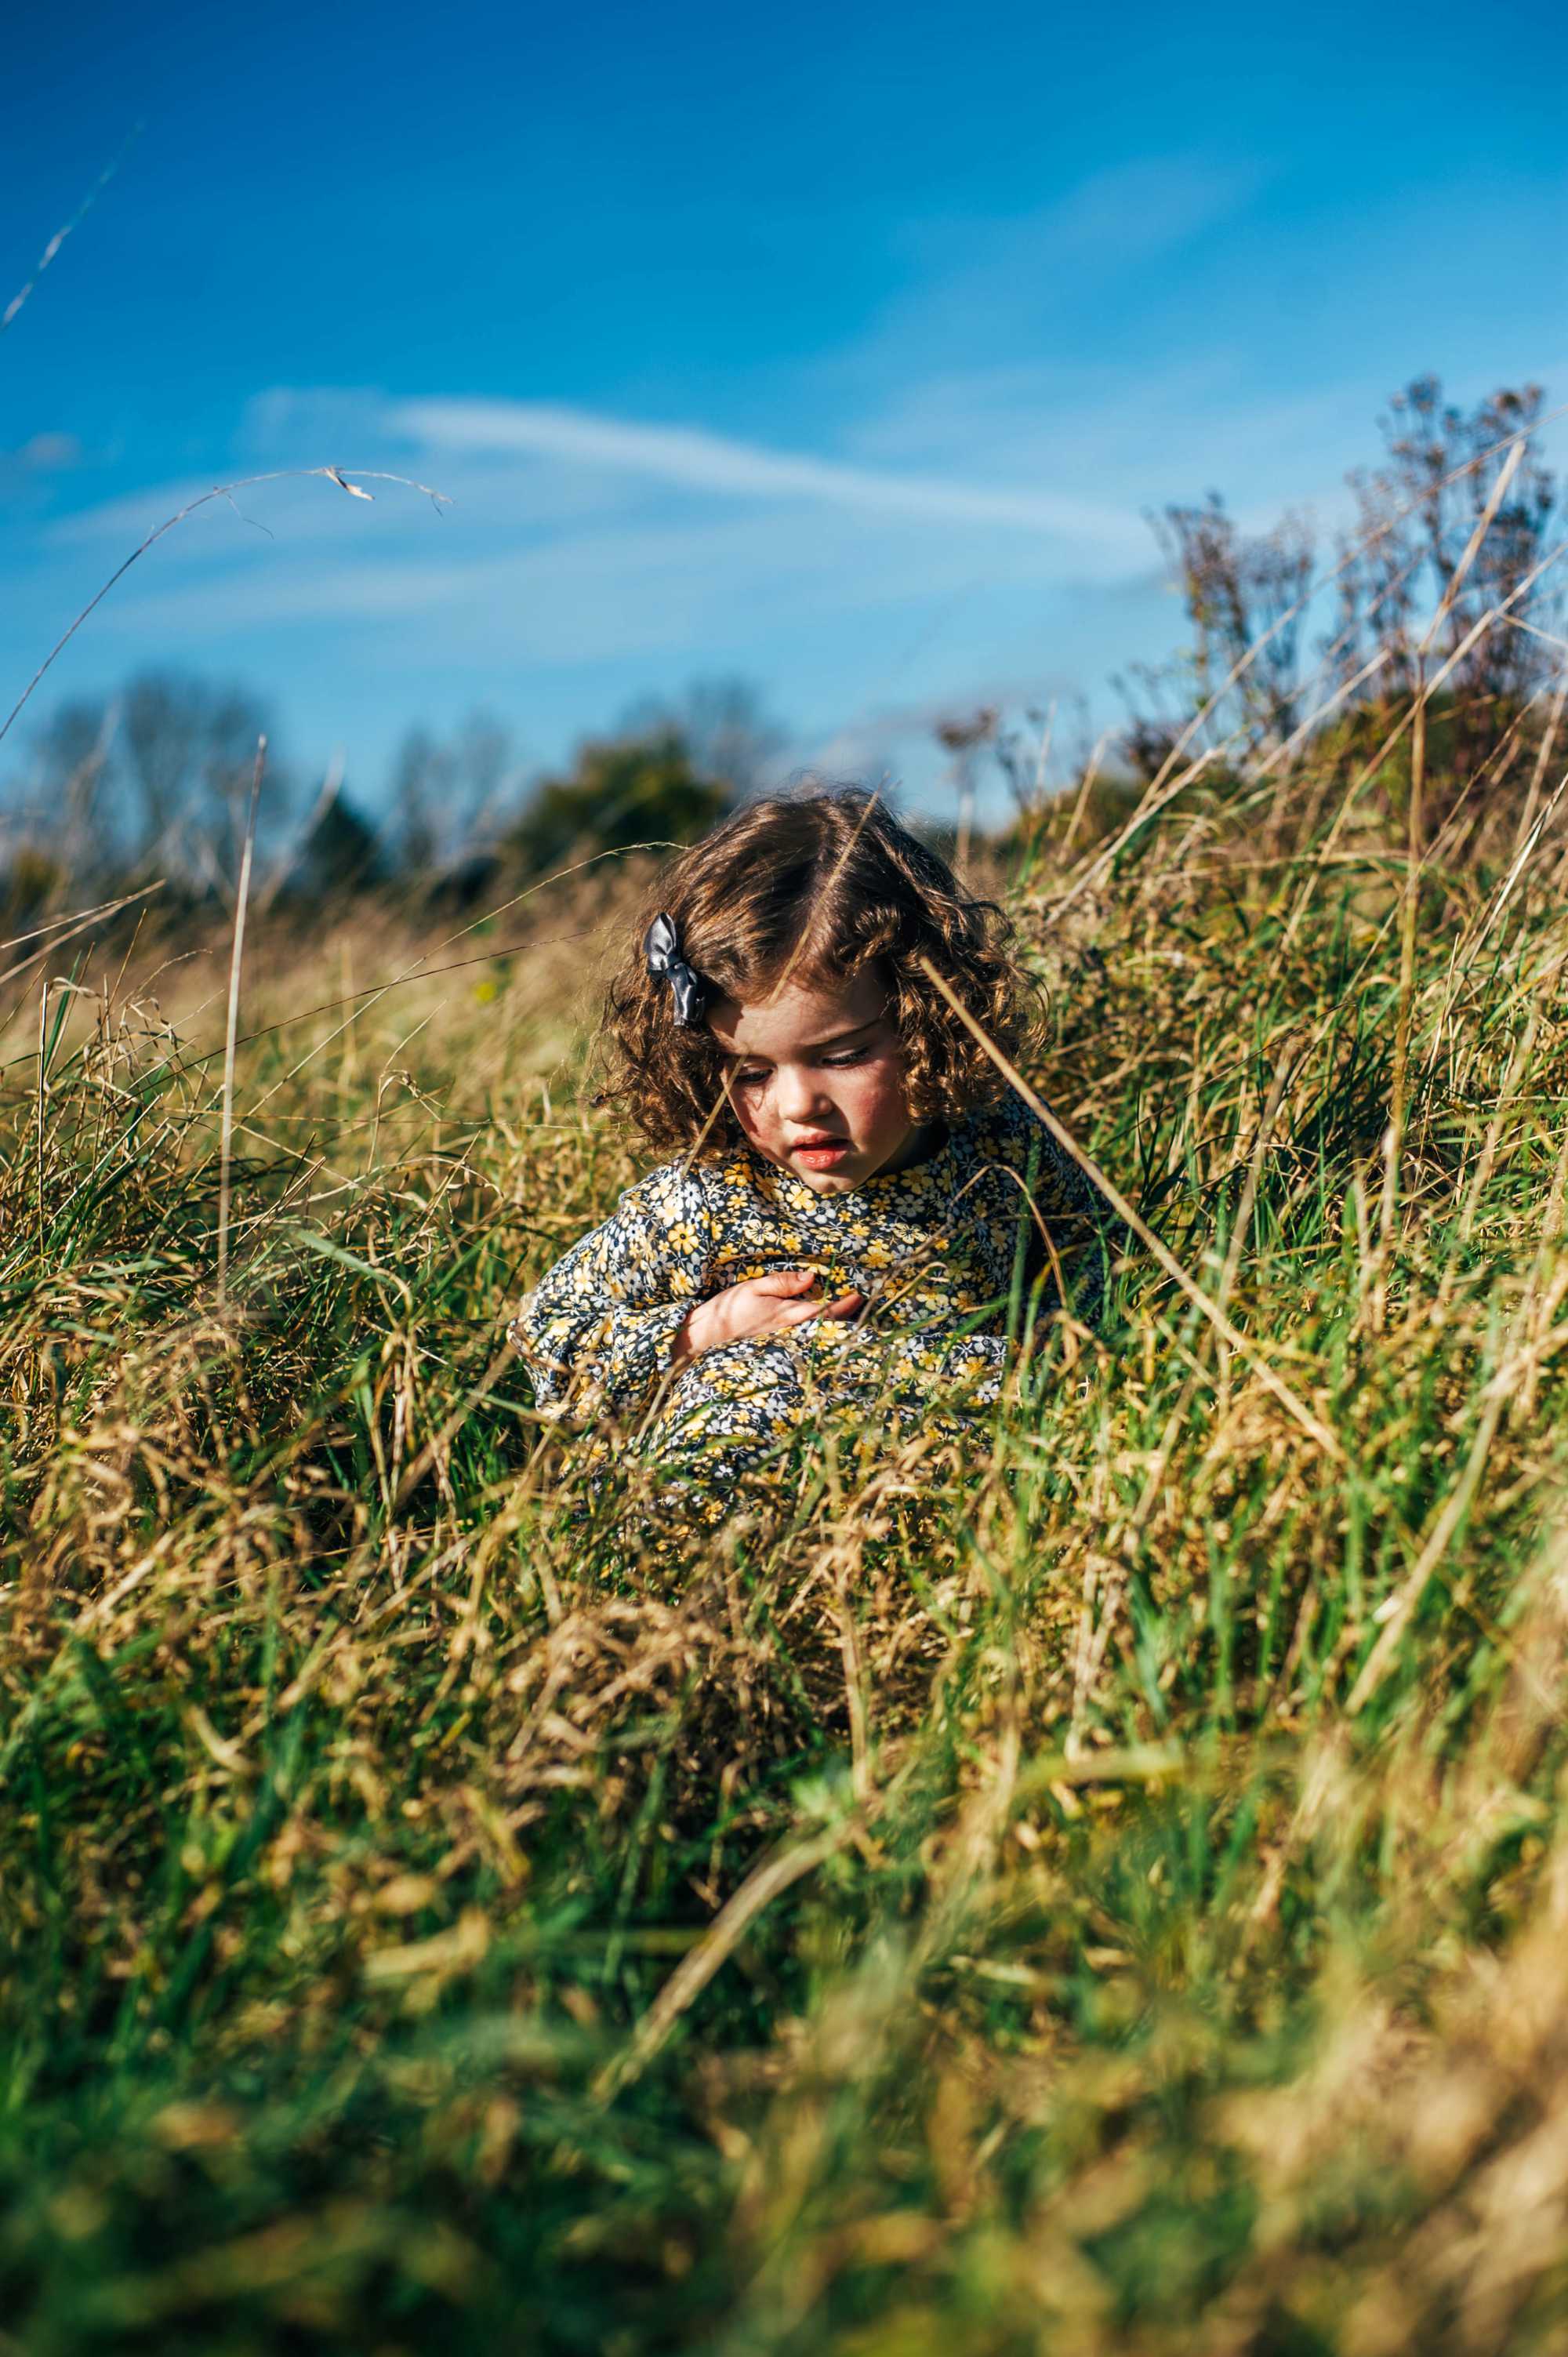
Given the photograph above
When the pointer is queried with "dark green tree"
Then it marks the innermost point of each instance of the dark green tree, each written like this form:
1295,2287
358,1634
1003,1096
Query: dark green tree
342,853
622,791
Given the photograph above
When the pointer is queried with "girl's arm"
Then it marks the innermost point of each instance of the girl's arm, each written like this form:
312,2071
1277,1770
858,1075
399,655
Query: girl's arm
603,1319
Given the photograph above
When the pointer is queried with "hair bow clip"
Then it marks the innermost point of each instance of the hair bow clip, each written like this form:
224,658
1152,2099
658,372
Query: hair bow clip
661,948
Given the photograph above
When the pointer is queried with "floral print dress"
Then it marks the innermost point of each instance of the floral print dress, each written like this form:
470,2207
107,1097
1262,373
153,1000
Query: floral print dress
939,1251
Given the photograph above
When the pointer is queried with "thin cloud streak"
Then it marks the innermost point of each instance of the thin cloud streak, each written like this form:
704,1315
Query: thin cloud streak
711,462
616,591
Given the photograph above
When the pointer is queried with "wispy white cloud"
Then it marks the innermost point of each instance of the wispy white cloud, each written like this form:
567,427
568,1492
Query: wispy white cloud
623,589
1146,206
1046,286
701,461
46,454
129,517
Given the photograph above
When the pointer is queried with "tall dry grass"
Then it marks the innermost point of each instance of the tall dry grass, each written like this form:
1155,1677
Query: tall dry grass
1104,1892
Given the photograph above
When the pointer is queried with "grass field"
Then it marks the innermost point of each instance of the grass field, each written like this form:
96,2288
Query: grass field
1110,1895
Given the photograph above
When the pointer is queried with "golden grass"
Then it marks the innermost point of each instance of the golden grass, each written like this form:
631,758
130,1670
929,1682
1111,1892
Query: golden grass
1106,1892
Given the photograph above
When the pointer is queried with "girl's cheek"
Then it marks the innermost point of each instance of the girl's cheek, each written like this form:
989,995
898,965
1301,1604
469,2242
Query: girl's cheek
881,1090
750,1111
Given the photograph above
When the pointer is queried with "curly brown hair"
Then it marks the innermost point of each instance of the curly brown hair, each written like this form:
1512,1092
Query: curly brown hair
813,886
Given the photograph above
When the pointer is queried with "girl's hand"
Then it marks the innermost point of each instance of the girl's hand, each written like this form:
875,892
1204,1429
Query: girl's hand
761,1306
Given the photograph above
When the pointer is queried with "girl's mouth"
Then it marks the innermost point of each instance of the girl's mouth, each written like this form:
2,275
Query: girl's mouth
820,1153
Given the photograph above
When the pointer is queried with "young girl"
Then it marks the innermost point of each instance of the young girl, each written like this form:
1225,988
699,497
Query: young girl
857,1207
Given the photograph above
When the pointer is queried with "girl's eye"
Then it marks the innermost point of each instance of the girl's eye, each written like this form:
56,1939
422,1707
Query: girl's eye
846,1056
749,1080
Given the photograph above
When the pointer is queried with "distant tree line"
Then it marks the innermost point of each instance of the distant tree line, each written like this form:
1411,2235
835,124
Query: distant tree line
156,782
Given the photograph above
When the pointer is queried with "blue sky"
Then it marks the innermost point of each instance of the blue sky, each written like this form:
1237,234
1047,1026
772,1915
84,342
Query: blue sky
844,348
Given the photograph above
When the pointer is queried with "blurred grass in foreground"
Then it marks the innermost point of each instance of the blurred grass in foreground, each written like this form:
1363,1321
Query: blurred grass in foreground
1110,1895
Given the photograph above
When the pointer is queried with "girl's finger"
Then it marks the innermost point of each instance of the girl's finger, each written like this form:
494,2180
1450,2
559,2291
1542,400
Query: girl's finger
780,1283
800,1313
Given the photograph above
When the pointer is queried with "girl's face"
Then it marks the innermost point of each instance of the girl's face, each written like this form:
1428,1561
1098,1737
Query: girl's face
816,1077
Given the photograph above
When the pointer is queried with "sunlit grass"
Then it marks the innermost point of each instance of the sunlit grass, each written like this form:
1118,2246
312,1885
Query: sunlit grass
1103,1893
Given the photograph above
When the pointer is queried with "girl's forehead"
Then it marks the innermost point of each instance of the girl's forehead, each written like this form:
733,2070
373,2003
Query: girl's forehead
797,1015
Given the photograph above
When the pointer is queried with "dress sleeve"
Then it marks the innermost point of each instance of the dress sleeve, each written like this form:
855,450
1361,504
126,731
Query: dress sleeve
602,1320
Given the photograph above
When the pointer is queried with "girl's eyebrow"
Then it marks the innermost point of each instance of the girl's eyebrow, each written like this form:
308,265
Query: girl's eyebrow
808,1047
838,1039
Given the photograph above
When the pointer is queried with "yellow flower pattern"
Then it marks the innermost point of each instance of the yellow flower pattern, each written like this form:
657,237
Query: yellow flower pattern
934,1249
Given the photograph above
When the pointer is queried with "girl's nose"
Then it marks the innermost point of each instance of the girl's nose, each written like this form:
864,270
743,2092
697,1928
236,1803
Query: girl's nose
799,1092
